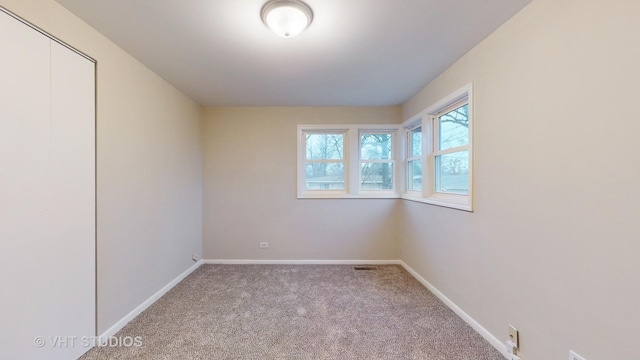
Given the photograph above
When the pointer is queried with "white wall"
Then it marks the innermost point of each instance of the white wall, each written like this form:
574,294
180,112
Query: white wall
250,190
149,185
553,246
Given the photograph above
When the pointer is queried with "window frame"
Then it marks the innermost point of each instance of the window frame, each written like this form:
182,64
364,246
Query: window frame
428,119
391,160
351,158
410,158
343,160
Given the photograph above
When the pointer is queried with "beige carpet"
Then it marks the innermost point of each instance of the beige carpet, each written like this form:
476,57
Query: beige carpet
299,312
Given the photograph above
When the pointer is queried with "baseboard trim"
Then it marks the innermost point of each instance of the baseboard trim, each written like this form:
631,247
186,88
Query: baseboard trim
495,342
104,337
299,262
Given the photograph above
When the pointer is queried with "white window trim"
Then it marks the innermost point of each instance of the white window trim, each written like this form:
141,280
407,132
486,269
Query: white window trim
393,161
408,142
425,118
352,163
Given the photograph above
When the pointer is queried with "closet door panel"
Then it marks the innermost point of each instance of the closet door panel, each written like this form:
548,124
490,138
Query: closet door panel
47,196
73,195
24,190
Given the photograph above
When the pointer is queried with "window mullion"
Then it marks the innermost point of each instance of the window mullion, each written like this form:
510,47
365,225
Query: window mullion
329,161
353,165
399,170
451,150
378,161
427,150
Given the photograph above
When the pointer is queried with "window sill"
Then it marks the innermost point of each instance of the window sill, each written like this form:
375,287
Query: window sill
439,202
333,195
388,195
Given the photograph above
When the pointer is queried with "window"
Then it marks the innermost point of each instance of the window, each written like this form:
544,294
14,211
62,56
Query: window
451,154
414,159
324,161
350,161
428,158
376,161
438,147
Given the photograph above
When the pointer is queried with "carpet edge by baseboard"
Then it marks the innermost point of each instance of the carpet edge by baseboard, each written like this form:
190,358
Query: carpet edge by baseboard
104,337
298,262
494,341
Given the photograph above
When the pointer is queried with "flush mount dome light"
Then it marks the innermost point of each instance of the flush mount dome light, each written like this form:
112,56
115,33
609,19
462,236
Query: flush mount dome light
286,18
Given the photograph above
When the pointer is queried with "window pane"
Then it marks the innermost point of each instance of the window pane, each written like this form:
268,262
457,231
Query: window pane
375,146
376,176
414,175
325,146
454,128
452,173
325,176
416,142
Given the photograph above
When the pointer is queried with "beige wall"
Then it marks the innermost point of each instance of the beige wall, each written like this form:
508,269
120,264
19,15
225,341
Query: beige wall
250,191
148,168
553,246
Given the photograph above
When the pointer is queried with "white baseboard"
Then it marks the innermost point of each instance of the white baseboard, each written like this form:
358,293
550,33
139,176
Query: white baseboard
495,342
300,262
468,319
142,307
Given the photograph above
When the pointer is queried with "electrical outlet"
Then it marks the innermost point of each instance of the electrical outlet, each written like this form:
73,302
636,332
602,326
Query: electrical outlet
264,245
514,336
574,356
195,257
514,357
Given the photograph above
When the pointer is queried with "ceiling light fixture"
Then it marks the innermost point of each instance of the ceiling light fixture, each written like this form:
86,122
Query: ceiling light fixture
286,18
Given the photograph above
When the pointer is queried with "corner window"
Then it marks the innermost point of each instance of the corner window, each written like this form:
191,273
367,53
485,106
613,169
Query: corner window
438,147
350,161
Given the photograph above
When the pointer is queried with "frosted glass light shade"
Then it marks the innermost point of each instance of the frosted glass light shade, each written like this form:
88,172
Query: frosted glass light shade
286,18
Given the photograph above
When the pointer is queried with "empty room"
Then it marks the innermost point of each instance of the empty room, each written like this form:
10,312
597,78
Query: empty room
319,179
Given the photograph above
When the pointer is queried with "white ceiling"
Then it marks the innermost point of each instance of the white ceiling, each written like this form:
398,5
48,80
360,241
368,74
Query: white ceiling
355,53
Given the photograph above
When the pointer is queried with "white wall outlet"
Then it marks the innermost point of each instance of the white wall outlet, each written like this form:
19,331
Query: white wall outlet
574,356
195,257
514,357
264,245
514,336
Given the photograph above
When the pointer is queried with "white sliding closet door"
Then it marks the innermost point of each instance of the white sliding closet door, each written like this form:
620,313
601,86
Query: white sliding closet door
47,196
24,189
73,195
